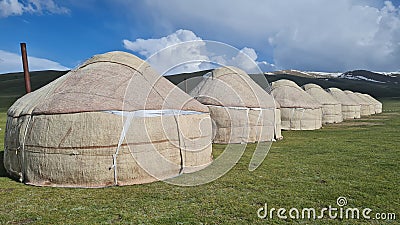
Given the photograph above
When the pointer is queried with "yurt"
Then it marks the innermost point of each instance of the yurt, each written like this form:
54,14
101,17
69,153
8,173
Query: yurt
377,104
242,112
371,105
331,108
278,122
111,121
350,108
299,111
364,109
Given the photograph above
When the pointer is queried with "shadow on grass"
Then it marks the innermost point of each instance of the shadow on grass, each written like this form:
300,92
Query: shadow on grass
3,172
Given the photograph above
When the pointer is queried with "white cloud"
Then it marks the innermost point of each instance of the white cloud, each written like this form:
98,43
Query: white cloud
159,51
16,8
10,7
308,34
150,46
364,37
184,51
11,62
242,59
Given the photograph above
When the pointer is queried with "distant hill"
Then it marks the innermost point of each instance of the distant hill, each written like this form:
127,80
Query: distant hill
379,85
372,76
379,90
12,85
378,77
187,81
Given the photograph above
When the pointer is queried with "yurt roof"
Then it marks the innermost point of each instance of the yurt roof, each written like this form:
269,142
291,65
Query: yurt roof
342,97
372,99
356,98
110,81
365,98
231,87
320,94
290,95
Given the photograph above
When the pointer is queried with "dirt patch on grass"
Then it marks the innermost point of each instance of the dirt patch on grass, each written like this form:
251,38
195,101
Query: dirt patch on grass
391,113
350,124
23,221
6,190
375,119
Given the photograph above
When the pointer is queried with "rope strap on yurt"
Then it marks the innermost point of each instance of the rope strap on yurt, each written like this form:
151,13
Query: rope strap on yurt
301,117
124,131
22,178
247,128
204,81
290,118
180,144
275,124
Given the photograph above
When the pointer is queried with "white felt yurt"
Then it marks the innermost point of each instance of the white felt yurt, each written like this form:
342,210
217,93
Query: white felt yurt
299,111
377,104
331,108
365,109
371,105
350,108
111,121
242,112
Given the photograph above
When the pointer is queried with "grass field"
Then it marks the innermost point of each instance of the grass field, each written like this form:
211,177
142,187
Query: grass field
357,159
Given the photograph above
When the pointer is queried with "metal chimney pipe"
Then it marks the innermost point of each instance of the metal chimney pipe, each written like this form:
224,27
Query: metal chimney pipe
26,68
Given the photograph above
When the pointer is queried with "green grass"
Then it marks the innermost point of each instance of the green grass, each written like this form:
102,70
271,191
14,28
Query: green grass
356,159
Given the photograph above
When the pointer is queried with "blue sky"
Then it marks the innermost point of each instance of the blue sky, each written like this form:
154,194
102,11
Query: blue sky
318,35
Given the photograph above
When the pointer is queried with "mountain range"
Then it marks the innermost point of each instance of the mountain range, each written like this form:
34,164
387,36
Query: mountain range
377,84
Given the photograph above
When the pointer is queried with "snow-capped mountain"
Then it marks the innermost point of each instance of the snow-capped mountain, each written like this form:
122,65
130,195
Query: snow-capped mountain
376,77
